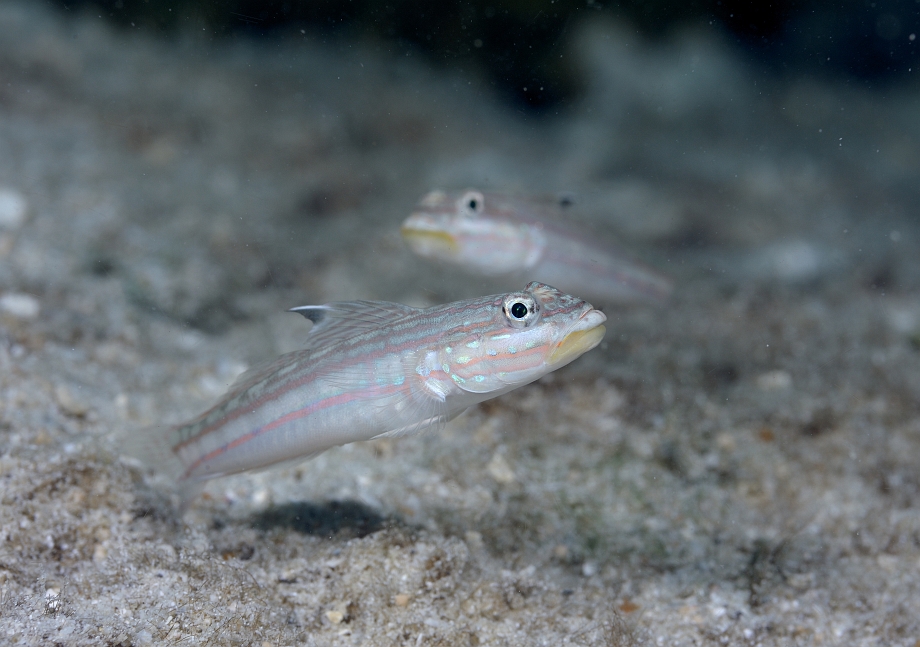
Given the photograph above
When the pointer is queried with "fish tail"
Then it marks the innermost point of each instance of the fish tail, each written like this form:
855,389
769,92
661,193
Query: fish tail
152,446
653,286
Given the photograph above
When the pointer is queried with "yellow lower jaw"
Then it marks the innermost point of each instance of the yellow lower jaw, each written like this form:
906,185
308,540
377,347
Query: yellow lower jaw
429,243
575,344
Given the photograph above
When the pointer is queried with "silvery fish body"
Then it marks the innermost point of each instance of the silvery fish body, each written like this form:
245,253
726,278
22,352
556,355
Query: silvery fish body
374,369
495,234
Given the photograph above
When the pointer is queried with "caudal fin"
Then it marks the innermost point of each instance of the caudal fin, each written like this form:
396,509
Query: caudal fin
152,447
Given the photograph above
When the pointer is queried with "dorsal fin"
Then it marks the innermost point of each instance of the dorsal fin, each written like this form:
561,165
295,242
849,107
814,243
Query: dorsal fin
550,202
334,322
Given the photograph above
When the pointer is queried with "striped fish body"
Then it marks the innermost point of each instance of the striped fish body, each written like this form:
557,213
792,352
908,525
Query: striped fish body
494,234
294,408
375,369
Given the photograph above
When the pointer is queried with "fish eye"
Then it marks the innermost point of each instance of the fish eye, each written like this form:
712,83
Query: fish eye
472,203
520,310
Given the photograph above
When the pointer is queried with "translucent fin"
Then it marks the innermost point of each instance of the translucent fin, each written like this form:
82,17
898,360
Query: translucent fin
188,491
551,202
150,447
261,371
332,322
422,409
426,399
342,320
405,402
434,423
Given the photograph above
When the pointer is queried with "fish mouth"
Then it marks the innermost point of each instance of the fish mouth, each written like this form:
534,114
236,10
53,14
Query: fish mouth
587,333
428,242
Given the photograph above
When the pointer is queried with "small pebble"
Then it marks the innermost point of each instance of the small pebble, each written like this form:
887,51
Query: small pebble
13,208
628,606
500,470
889,563
401,599
904,318
335,617
794,261
20,306
473,539
726,442
774,381
68,403
261,497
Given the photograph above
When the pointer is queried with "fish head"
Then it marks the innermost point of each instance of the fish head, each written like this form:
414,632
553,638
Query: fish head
471,229
529,334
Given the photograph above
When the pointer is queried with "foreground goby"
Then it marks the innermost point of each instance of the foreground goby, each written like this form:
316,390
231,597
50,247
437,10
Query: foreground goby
373,369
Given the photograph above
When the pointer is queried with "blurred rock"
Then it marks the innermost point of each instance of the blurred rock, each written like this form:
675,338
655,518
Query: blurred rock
20,306
13,209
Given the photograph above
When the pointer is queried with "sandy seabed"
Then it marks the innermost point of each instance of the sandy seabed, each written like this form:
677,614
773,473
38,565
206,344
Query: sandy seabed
740,467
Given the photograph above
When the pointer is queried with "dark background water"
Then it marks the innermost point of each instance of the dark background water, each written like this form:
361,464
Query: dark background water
520,44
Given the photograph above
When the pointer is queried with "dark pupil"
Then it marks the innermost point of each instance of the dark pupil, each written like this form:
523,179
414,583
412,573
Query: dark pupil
518,310
473,204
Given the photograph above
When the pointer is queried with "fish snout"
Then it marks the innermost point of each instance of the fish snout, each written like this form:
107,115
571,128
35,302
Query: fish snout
585,333
427,238
590,318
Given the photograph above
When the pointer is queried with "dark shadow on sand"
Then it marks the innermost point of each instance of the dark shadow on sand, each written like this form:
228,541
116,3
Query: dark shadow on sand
329,519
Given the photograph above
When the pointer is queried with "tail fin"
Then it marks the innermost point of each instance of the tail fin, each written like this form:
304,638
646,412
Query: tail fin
151,446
